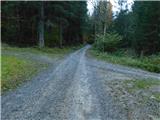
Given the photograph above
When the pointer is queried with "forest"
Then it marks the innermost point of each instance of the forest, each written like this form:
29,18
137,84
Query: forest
133,32
80,60
67,23
43,23
138,28
130,37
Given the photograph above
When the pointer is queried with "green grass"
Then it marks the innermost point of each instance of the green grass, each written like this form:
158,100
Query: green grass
145,84
151,63
50,52
15,71
142,84
157,96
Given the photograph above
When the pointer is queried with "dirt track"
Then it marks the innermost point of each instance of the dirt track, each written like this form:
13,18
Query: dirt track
75,89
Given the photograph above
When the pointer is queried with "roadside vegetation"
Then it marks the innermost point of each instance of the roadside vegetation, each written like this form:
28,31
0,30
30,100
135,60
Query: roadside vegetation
131,38
146,95
18,65
137,95
144,88
145,84
36,34
149,63
142,84
17,70
50,52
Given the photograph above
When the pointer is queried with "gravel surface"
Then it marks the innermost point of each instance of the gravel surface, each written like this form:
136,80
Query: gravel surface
76,88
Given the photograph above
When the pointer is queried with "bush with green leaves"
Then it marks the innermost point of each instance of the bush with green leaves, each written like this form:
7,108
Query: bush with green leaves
108,42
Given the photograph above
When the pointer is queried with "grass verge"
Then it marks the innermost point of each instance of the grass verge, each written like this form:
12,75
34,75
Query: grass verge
151,63
136,95
17,70
145,84
17,66
50,52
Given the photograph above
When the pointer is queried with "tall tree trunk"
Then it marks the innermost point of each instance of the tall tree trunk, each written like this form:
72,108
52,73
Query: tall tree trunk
104,29
60,34
104,32
41,26
18,26
95,28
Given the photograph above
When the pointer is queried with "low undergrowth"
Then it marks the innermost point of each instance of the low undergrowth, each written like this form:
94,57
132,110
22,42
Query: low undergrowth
50,52
149,63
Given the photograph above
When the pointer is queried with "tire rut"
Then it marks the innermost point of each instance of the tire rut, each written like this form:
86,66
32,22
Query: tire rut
73,90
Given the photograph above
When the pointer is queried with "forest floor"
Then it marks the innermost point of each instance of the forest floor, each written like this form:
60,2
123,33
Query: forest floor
80,87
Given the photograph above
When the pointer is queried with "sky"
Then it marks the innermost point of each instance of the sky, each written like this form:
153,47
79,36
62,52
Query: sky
114,7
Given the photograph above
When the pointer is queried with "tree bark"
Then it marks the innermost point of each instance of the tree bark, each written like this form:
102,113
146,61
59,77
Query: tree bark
41,26
104,30
60,34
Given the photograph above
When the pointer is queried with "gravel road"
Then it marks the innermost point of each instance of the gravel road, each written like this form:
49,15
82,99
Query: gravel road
73,89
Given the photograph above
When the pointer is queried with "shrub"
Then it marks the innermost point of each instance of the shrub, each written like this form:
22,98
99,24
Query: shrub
108,42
